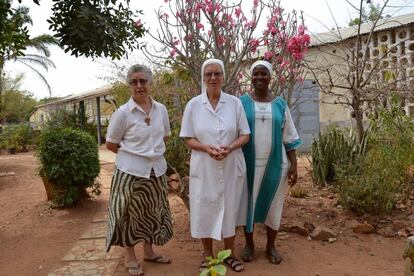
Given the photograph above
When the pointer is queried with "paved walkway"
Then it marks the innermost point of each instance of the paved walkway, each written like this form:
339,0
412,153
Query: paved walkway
87,256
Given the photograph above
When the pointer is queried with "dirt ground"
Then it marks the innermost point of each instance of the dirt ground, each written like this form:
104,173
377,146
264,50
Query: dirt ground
34,237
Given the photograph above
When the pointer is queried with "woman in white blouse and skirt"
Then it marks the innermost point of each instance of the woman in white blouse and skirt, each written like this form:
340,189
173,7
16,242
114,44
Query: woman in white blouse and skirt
138,202
215,128
270,159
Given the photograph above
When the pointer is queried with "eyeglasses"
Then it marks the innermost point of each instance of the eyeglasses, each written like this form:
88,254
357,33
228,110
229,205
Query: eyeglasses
134,82
211,74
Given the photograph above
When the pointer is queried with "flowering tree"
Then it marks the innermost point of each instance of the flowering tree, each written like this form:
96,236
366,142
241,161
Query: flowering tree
194,30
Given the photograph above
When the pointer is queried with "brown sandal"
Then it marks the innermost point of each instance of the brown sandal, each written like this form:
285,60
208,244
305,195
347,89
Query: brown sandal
234,264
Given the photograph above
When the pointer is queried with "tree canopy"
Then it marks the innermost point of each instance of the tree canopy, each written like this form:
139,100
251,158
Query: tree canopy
91,28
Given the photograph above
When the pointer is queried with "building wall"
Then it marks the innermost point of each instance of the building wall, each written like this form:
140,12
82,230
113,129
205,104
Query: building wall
392,49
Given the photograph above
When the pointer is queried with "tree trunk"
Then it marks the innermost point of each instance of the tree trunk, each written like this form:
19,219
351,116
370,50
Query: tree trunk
359,123
1,88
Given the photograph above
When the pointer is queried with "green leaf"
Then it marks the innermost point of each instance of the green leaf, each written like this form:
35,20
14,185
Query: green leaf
205,272
222,255
220,269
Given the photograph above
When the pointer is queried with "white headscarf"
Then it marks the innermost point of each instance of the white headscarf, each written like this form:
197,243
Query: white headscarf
208,62
264,63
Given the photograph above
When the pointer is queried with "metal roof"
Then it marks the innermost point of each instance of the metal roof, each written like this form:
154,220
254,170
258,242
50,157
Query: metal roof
342,34
97,92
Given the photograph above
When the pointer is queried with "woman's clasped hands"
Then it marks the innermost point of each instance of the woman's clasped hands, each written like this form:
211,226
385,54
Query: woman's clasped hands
218,153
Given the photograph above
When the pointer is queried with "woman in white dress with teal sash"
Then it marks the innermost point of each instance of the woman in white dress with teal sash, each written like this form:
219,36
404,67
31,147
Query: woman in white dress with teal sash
270,159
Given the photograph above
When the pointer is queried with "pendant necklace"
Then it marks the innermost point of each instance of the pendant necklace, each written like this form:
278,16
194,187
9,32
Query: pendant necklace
147,118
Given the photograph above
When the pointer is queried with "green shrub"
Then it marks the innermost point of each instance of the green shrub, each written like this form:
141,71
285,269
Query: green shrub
374,183
331,149
69,160
370,185
16,136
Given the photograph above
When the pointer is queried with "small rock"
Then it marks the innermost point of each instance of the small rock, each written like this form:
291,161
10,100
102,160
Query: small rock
363,228
309,226
309,238
284,237
297,228
397,225
331,240
387,232
40,267
404,232
322,233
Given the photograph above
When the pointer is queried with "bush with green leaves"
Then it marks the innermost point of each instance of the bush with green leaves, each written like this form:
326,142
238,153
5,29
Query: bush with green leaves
16,136
331,149
375,182
69,161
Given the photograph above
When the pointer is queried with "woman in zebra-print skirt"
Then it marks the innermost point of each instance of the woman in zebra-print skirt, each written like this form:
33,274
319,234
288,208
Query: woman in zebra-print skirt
138,202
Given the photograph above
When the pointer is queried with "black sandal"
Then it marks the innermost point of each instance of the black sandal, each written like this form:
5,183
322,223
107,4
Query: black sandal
203,266
274,256
234,264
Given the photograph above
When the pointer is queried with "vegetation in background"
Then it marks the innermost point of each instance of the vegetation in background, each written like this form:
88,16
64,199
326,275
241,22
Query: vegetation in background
16,104
62,118
17,137
375,182
192,31
69,162
348,75
333,148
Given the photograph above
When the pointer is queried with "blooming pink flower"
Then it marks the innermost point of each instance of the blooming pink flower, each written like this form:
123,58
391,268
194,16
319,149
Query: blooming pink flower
166,1
284,64
237,12
199,26
138,24
250,24
173,53
220,40
254,43
255,3
301,30
209,6
188,37
268,55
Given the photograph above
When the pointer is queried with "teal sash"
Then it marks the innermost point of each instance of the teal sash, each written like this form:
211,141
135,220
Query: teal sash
273,171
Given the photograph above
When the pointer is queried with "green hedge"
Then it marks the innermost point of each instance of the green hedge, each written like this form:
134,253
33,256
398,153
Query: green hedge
69,160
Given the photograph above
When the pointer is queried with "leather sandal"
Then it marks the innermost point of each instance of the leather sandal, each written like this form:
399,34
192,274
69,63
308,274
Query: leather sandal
234,264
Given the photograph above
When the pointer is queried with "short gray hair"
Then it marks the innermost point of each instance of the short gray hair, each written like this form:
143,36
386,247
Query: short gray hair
139,68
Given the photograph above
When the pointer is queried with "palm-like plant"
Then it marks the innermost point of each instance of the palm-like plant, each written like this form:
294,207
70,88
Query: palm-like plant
15,40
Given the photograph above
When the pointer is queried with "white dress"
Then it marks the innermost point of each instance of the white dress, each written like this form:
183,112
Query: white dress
263,130
216,187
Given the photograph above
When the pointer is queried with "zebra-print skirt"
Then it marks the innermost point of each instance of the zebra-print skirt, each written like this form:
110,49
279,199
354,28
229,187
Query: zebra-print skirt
138,210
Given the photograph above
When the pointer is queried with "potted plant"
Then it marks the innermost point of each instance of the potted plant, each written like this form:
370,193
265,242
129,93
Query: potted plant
68,164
